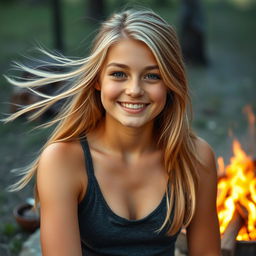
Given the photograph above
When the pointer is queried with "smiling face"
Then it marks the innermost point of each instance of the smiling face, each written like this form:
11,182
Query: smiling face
132,91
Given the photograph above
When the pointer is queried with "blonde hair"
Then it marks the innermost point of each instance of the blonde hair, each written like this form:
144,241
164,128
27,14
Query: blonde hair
81,113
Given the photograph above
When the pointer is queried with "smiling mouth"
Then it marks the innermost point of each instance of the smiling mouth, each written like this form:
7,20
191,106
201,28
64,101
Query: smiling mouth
135,106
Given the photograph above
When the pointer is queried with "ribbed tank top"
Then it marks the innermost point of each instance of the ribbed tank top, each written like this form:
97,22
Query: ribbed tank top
105,233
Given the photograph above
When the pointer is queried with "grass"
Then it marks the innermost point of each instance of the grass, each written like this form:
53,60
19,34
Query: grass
219,92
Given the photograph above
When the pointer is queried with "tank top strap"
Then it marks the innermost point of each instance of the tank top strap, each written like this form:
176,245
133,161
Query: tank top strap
88,158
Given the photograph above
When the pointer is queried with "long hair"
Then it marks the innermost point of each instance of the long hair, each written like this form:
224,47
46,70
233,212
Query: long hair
83,109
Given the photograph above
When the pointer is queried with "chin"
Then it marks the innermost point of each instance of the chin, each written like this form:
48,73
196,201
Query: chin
132,124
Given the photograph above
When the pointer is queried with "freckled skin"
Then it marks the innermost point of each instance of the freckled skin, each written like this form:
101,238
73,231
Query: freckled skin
131,82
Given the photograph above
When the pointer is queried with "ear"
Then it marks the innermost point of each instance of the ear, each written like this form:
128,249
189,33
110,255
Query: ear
97,86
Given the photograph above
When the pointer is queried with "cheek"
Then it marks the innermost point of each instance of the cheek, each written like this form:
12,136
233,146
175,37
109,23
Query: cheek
110,91
159,95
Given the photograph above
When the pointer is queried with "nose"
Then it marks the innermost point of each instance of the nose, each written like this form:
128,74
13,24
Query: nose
134,88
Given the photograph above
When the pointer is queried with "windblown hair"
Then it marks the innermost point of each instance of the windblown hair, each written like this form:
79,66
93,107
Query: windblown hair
83,108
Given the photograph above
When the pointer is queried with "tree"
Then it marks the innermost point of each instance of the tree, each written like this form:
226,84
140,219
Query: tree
161,2
96,10
57,25
193,32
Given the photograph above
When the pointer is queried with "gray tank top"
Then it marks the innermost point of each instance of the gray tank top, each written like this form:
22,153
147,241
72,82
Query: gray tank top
104,233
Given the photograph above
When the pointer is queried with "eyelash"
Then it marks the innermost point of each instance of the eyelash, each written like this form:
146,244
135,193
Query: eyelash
121,75
156,76
115,74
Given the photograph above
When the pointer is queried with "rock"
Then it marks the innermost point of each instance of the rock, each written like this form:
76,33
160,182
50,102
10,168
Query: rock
32,246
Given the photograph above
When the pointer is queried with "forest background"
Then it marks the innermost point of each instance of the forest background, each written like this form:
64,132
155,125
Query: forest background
220,90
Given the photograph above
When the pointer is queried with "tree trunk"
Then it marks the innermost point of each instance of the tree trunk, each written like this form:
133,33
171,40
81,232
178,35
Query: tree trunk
193,32
57,25
96,10
161,2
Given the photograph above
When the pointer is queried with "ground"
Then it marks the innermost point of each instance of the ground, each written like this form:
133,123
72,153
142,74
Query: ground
219,91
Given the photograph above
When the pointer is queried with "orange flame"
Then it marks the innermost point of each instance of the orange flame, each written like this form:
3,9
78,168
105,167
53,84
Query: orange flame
251,118
251,129
238,186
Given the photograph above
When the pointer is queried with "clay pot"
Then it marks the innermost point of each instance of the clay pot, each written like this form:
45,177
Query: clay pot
26,217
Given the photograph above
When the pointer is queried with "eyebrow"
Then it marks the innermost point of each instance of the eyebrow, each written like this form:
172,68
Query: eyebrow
125,66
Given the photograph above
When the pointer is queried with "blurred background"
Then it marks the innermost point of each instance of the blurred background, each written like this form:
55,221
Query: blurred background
218,41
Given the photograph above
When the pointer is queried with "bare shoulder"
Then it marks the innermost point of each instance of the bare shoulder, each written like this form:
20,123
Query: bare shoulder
204,225
206,167
205,155
59,186
204,151
62,151
61,165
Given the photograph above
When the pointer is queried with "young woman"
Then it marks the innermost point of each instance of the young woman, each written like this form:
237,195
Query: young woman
122,172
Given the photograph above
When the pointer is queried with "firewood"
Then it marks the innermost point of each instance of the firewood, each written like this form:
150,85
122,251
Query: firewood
228,240
242,211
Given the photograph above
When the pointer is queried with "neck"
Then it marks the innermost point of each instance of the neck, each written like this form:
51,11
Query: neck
128,143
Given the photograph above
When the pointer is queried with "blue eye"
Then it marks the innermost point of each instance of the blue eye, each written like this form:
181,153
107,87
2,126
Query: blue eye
153,76
118,74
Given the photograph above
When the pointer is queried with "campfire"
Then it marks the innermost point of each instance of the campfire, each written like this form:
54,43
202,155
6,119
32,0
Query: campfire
236,201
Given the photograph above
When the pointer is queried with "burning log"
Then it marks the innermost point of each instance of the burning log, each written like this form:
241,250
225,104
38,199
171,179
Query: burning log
239,219
242,212
228,240
237,196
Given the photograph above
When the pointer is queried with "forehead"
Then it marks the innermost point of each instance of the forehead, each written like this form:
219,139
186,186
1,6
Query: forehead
130,52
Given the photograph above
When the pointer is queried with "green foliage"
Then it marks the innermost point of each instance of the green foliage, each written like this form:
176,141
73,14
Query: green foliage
9,229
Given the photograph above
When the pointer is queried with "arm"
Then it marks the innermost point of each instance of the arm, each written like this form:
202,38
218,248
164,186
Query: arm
59,187
203,231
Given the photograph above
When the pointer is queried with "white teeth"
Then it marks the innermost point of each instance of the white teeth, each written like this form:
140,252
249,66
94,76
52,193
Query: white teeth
132,106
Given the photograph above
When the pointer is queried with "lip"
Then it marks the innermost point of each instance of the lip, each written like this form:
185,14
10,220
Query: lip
133,102
130,110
